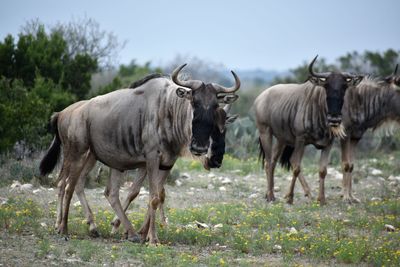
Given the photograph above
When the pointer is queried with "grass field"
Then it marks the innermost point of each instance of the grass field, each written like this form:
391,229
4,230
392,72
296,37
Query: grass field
218,219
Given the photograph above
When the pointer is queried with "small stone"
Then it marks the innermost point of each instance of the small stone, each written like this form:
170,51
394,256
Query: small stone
50,189
178,182
277,189
191,193
220,225
226,181
210,187
376,172
222,188
201,225
254,195
36,191
389,228
376,199
292,230
77,204
211,175
43,224
393,184
185,175
15,184
26,187
277,248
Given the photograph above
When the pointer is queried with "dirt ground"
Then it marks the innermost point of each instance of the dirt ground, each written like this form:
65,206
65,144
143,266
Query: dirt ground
191,189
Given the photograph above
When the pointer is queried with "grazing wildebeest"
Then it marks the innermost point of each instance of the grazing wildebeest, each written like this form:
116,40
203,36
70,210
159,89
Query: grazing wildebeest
370,104
298,115
147,127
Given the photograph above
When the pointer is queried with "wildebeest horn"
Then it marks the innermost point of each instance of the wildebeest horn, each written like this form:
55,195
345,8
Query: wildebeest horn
315,74
192,84
228,90
395,70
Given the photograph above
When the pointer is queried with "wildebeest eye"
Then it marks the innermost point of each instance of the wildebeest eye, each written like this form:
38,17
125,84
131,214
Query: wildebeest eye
348,79
322,79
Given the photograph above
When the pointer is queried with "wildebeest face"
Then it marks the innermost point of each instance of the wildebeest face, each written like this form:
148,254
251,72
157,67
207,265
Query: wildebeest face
335,85
205,99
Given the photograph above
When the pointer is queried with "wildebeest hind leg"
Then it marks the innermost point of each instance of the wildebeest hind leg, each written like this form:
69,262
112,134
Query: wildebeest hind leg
75,166
295,161
112,195
132,194
266,144
79,189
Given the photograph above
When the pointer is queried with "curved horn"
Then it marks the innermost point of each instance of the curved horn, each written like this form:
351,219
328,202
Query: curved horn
192,84
395,70
228,90
316,74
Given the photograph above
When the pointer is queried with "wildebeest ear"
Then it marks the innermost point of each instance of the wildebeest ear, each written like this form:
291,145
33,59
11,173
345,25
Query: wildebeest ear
184,93
227,99
317,81
231,119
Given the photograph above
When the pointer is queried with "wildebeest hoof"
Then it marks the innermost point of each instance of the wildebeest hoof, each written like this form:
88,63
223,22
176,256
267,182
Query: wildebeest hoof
270,198
94,233
134,238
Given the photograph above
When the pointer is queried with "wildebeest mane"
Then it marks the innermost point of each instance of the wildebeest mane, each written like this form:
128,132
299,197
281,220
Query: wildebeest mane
146,79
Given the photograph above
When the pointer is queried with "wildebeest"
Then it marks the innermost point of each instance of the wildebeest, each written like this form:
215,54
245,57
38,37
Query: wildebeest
148,127
298,115
373,102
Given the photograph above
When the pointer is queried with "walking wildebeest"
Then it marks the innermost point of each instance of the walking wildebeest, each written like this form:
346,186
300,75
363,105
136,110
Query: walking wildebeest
298,115
148,127
370,104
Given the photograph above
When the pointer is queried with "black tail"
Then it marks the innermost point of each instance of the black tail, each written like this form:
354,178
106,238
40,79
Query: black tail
50,159
261,154
285,157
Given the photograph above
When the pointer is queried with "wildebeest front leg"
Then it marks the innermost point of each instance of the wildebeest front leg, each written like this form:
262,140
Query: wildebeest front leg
156,185
295,161
323,163
112,194
132,194
347,147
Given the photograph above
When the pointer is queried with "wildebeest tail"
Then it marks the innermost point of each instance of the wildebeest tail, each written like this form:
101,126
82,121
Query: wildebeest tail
261,154
50,159
285,157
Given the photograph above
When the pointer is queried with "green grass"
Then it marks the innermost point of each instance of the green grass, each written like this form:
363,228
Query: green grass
339,233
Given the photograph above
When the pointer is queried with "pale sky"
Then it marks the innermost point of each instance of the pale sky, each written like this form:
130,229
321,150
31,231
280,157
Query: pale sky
272,35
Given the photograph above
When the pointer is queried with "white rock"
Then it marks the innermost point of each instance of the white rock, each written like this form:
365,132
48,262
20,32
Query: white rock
292,230
393,184
178,182
77,204
43,224
210,186
220,225
254,195
394,178
226,181
222,188
211,175
277,189
191,193
277,248
376,199
50,189
201,225
185,175
389,228
143,192
376,171
26,187
191,188
15,184
36,191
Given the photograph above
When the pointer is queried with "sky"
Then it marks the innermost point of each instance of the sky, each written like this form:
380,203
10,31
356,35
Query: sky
244,35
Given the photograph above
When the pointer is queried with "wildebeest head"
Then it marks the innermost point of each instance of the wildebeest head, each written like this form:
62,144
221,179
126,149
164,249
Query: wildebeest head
217,151
335,85
393,78
205,100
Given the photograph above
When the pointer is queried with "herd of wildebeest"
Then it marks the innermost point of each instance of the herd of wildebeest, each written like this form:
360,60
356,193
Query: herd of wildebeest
159,118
